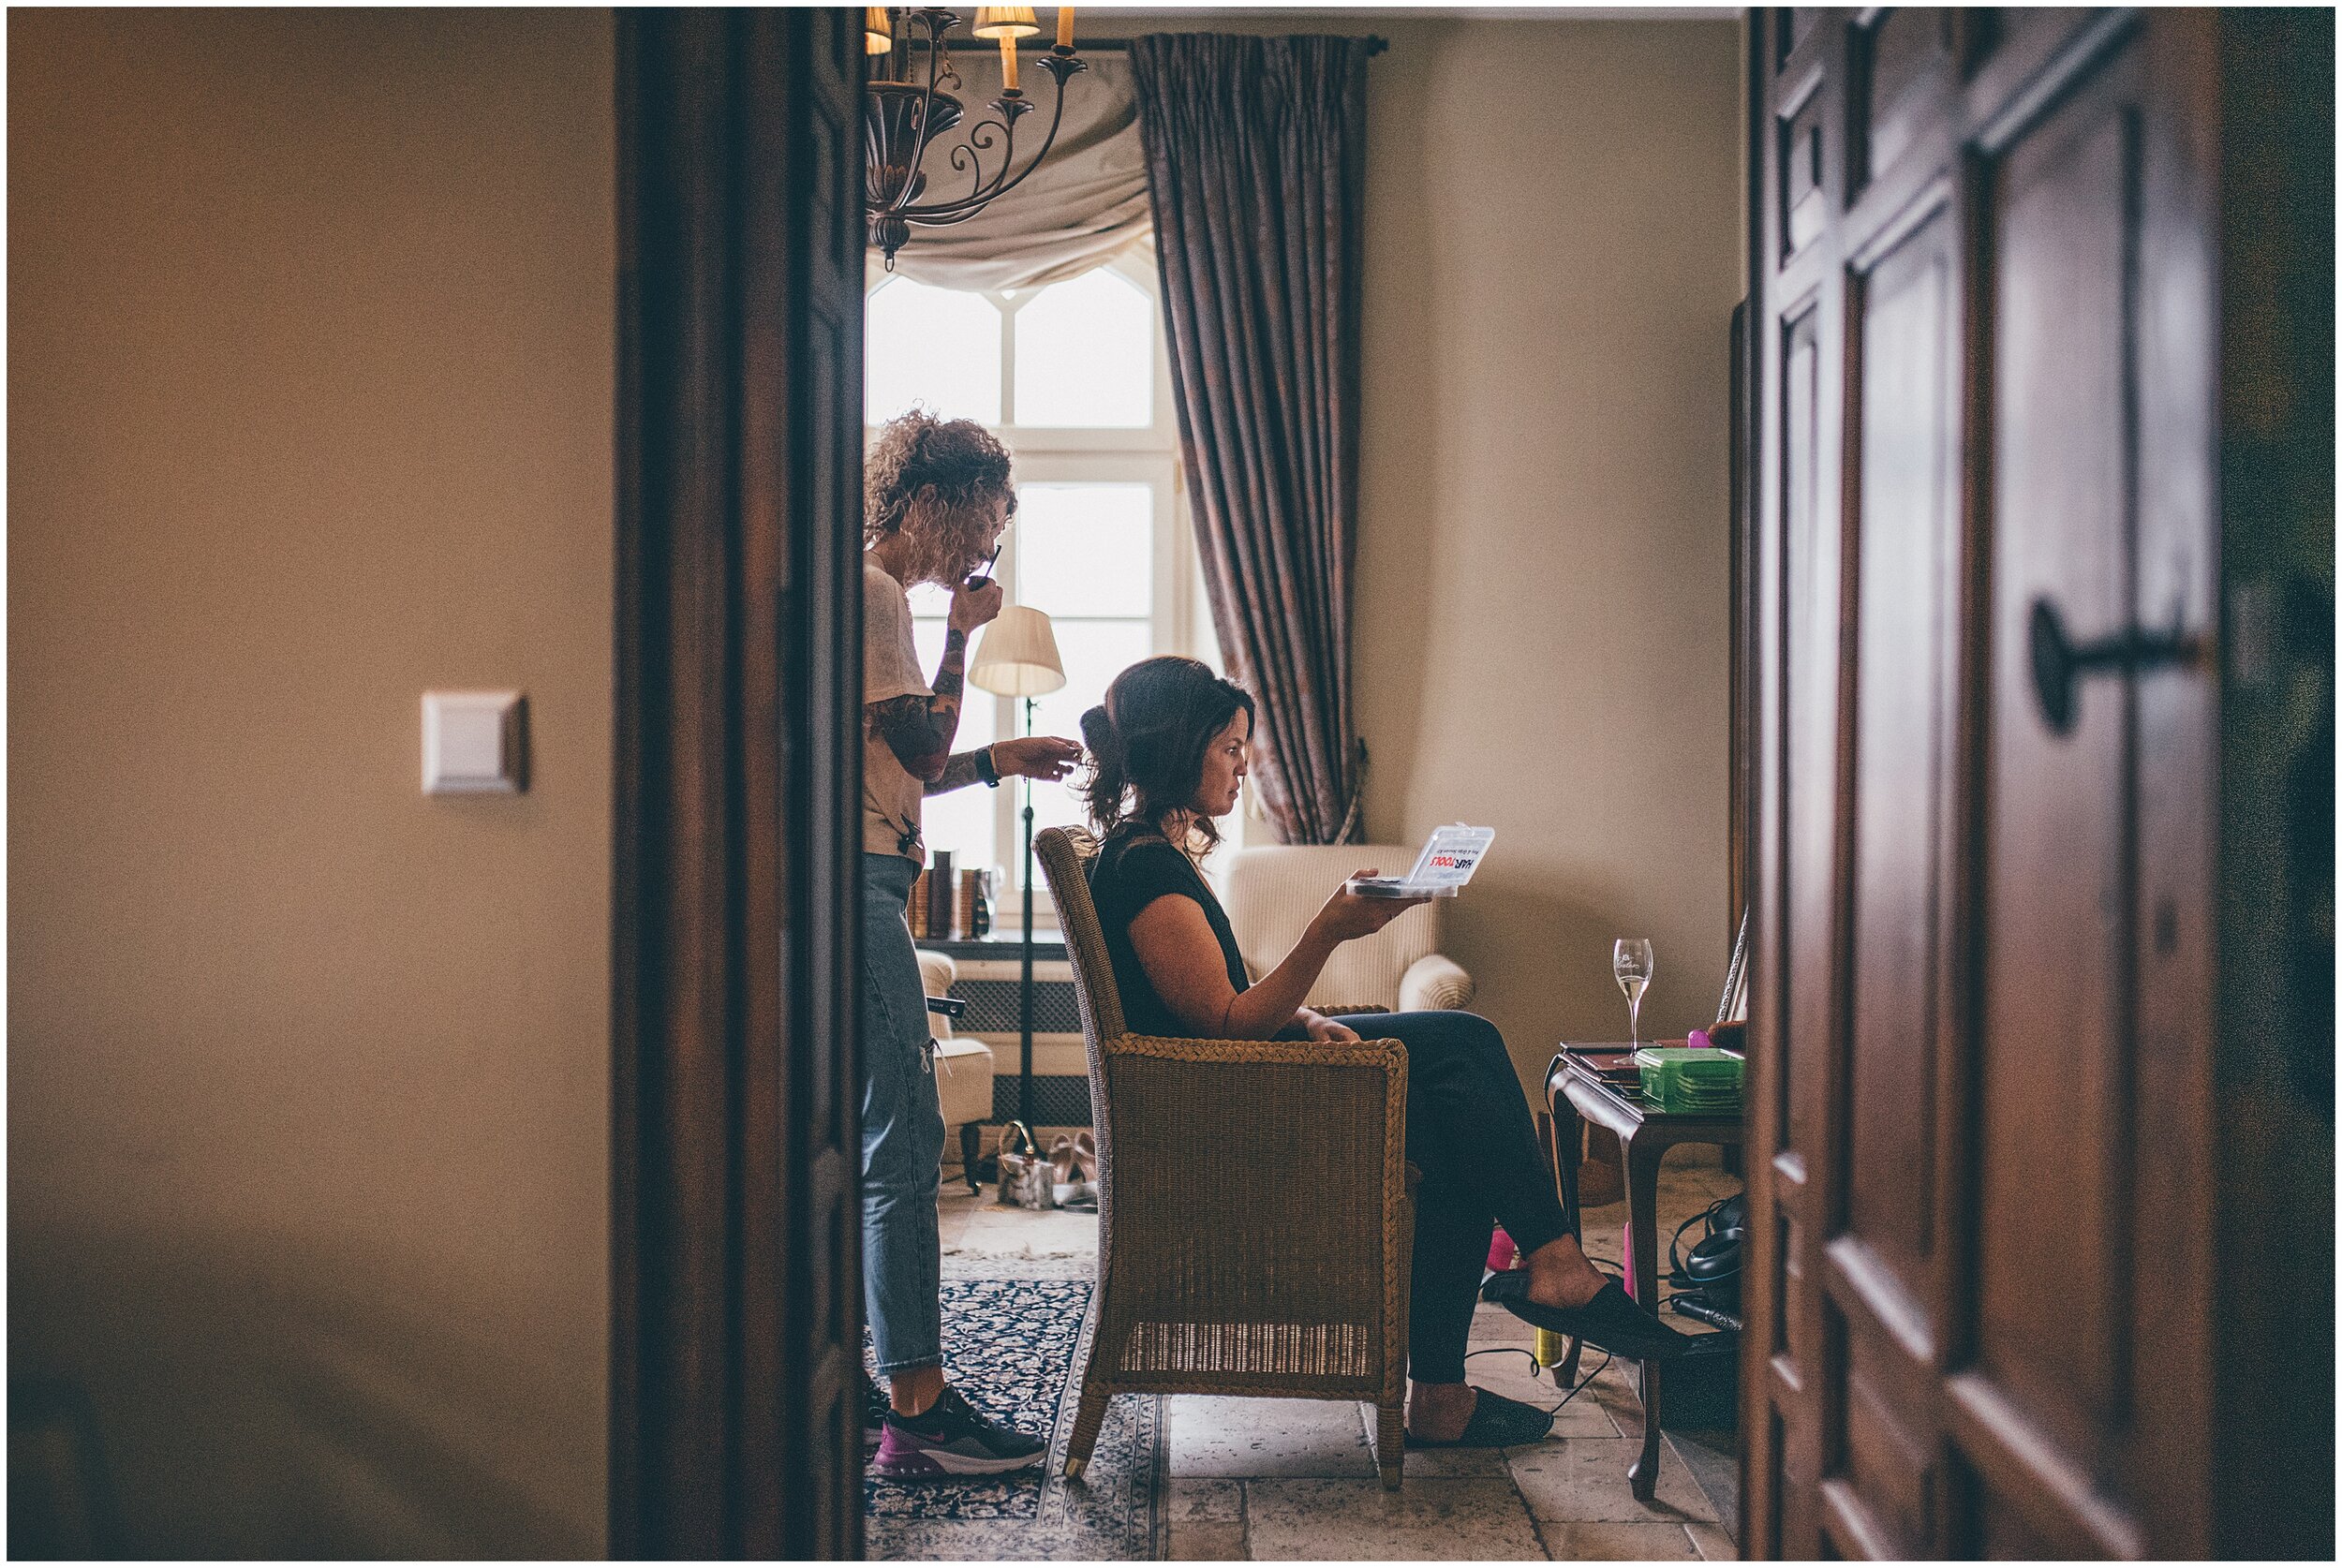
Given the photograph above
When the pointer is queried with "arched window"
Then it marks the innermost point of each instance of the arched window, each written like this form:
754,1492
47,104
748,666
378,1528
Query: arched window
1075,378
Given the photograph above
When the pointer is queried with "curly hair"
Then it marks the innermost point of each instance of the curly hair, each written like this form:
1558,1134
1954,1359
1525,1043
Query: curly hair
1147,743
936,482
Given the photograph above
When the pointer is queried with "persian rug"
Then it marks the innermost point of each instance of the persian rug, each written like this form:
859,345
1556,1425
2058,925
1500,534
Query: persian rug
1012,1346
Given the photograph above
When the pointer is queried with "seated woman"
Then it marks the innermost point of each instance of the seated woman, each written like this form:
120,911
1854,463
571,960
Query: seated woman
1168,753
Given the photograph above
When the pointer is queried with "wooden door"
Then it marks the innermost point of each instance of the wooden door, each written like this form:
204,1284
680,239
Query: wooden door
1986,314
735,1410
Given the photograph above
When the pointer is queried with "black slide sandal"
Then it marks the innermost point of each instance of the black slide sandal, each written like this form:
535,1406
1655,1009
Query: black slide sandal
1610,1322
1496,1423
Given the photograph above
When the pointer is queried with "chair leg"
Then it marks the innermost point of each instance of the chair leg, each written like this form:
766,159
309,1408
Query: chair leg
1088,1420
1390,1443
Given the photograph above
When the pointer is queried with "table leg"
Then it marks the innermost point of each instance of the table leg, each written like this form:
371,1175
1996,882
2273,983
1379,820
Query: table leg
1568,1138
1642,1225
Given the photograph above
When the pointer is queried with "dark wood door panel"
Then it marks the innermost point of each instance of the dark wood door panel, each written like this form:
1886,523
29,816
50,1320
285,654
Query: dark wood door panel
1899,60
735,1408
1985,331
1906,546
1804,196
1887,1451
2053,1046
1810,600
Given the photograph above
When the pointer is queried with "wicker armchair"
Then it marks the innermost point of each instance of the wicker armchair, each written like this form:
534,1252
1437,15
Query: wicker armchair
1254,1215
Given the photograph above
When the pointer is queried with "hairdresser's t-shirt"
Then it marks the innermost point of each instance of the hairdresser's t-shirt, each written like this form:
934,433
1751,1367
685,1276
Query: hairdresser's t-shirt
890,668
1136,865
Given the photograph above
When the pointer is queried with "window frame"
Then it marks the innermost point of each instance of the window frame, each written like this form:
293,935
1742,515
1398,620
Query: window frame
1178,617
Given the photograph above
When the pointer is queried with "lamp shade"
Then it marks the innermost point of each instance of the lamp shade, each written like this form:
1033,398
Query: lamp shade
1006,21
877,31
1019,657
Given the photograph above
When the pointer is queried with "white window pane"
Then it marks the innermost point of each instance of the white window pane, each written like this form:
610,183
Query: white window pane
961,822
938,347
1086,354
1058,805
931,598
927,637
1086,549
1094,653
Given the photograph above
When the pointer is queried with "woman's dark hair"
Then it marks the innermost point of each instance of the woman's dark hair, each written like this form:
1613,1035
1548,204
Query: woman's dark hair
1147,742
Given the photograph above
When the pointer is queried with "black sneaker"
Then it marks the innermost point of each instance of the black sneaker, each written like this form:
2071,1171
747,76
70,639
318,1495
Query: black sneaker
951,1439
874,1408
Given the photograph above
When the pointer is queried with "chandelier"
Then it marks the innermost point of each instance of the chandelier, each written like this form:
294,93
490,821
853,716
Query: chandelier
905,107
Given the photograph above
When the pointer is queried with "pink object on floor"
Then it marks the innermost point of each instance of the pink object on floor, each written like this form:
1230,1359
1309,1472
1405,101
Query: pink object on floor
1503,1254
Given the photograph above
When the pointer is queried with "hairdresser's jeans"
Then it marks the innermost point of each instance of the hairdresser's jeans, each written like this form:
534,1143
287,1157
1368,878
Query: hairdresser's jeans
902,1131
1470,1132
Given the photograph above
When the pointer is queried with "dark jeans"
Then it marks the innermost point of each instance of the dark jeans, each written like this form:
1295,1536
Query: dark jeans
1470,1132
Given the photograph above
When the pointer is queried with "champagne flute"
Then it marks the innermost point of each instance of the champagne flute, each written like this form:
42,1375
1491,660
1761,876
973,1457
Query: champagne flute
1632,963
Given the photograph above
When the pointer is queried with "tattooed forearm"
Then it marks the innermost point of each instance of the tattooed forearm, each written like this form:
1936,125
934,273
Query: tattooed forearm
958,773
948,676
919,729
909,728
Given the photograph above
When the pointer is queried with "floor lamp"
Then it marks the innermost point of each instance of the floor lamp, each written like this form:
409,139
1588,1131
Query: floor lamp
1019,659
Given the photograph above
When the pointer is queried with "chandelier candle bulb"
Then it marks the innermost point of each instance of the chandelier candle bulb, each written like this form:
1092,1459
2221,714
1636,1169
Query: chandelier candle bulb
1065,28
908,114
1006,21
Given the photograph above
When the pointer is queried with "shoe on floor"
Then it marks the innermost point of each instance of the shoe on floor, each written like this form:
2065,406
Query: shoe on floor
1610,1322
1496,1422
952,1438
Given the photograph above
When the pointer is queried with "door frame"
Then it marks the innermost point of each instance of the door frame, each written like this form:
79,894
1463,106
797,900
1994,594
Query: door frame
734,1417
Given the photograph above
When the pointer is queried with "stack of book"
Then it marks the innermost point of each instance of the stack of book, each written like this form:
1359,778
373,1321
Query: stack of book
948,905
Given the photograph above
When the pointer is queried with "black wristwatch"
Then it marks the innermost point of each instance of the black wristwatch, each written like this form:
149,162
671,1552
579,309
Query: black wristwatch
985,770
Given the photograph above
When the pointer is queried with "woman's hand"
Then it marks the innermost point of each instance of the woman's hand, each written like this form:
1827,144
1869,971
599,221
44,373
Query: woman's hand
1324,1029
1347,915
975,602
1035,757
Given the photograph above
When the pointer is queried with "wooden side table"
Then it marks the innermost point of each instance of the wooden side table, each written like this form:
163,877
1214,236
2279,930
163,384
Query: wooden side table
1574,1089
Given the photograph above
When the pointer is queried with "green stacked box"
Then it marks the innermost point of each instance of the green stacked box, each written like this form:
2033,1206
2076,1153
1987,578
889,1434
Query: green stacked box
1688,1081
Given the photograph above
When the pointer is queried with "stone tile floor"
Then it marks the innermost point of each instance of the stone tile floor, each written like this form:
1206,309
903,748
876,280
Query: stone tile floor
1265,1480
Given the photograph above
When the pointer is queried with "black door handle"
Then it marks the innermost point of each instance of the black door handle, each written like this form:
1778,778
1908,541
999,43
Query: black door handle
2059,662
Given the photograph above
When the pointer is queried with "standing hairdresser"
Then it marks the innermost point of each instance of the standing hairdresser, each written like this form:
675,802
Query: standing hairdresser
937,497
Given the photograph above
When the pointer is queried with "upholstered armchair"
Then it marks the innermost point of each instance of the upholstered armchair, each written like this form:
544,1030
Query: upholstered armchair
1255,1216
963,1067
1273,891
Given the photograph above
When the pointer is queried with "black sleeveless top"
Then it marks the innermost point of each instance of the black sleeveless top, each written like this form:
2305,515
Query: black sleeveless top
1136,865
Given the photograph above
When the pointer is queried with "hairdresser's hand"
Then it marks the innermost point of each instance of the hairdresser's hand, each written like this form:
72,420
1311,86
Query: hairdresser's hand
1346,915
972,607
1046,757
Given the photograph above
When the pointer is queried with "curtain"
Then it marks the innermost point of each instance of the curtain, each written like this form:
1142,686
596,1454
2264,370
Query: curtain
1255,157
1085,205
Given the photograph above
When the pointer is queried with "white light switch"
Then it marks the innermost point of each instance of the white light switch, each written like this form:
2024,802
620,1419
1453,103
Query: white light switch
471,741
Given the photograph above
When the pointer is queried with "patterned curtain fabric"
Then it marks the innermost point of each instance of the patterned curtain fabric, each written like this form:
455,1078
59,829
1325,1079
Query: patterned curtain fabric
1256,162
1082,206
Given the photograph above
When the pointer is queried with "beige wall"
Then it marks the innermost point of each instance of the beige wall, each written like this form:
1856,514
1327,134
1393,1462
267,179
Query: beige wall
310,379
1554,247
1554,251
310,369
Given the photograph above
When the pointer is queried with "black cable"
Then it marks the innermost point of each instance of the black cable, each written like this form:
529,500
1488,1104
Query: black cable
1535,1367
